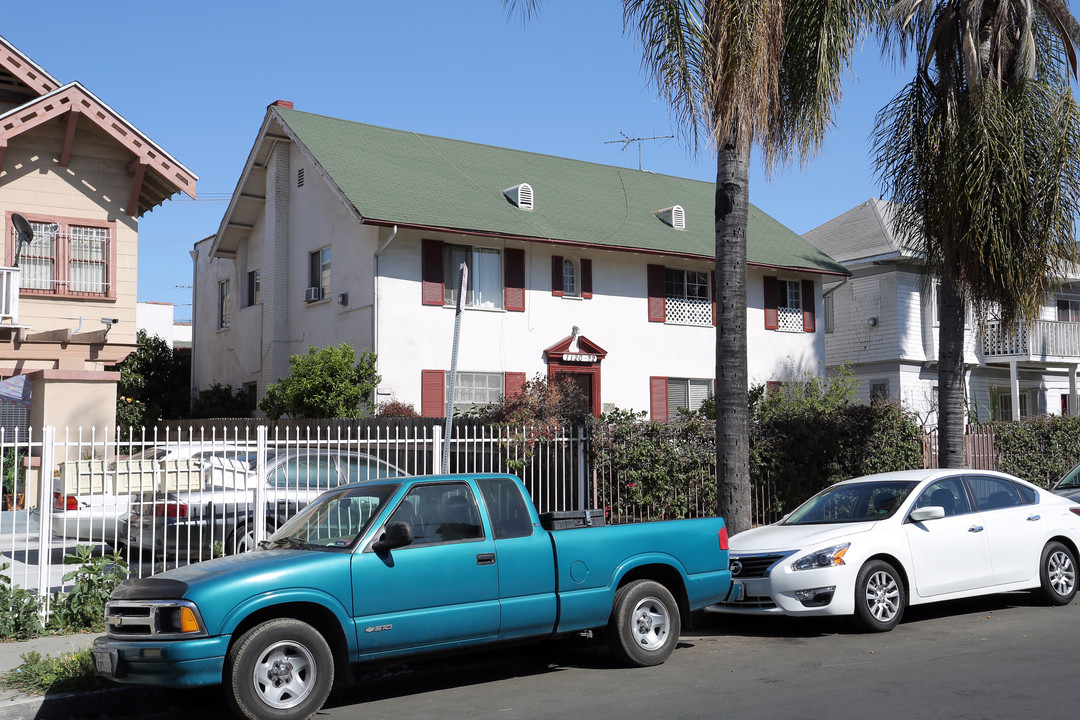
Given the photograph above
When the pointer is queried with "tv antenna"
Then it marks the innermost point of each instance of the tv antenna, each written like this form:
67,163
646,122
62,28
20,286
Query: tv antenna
626,140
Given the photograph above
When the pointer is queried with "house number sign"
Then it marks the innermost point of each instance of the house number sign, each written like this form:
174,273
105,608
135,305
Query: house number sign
568,357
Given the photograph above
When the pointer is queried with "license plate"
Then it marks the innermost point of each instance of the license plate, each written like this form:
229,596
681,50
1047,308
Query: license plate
105,662
738,592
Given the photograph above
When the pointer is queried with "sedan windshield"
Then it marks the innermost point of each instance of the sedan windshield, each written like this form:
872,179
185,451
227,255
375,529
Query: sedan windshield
334,521
851,503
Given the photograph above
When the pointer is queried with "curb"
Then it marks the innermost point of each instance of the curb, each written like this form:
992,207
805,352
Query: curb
72,706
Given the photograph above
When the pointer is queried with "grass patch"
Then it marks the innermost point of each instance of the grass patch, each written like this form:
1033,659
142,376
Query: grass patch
42,674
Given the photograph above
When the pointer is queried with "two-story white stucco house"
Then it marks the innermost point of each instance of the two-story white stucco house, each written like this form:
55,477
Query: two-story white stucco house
882,321
345,232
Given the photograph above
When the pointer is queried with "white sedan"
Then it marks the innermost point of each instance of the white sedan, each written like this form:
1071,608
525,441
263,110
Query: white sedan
871,546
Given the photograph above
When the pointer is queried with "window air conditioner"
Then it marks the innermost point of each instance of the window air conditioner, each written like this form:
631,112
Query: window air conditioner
312,294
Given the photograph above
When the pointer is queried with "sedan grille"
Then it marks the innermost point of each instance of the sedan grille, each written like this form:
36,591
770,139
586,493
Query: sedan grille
755,566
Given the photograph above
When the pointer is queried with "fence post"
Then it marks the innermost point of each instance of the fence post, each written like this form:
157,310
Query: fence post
259,510
45,506
436,450
581,468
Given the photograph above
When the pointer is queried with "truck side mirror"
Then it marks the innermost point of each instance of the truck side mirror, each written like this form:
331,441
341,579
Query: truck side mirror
397,534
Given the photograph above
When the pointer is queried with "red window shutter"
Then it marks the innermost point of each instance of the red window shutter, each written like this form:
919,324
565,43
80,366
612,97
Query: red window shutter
772,298
431,261
515,279
712,279
586,278
808,322
657,294
433,393
513,383
658,399
556,275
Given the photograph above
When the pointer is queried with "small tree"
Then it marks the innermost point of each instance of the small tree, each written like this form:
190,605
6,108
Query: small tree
326,383
154,382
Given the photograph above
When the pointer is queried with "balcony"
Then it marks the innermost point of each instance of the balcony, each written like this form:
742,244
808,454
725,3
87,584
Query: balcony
9,295
1045,341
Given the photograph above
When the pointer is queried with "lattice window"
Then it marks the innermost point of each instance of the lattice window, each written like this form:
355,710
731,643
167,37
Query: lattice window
789,315
688,298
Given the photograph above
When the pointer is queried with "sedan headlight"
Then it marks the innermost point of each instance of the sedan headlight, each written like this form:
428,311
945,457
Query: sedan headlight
827,557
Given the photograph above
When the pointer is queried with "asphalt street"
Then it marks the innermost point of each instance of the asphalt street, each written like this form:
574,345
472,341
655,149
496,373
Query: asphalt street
1008,656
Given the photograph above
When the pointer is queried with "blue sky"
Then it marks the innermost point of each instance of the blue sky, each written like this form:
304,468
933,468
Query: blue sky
196,77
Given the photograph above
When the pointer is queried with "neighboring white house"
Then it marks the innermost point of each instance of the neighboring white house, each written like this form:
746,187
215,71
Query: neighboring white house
882,321
345,232
158,318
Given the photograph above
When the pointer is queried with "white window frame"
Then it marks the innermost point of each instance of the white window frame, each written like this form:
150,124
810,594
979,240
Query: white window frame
876,387
683,307
687,393
223,304
490,296
571,275
471,393
319,266
1005,404
789,317
1073,308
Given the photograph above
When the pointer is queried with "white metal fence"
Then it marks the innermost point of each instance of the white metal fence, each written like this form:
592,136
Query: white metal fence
167,499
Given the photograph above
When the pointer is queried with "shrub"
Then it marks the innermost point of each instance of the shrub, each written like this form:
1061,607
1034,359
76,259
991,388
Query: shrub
396,409
83,609
20,610
326,383
40,674
220,401
1039,449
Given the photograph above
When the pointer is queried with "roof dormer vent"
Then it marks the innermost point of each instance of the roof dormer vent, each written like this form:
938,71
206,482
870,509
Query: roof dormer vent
673,216
521,195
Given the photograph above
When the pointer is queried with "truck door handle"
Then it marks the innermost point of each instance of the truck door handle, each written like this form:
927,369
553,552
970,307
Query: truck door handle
485,559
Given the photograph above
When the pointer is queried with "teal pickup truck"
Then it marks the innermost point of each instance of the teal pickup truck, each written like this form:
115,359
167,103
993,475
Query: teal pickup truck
404,566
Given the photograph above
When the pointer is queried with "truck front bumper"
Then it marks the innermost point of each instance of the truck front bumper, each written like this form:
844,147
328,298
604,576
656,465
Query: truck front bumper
175,663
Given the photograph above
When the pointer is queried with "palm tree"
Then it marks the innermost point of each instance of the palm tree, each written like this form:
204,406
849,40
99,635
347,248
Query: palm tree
980,153
739,73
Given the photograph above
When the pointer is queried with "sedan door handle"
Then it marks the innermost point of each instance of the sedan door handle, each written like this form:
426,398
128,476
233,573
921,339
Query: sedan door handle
975,528
1033,518
485,559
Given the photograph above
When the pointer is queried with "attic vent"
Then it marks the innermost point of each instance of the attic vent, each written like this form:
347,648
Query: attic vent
521,195
300,178
673,216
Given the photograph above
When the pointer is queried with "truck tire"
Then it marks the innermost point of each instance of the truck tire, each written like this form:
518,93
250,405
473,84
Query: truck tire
645,623
279,670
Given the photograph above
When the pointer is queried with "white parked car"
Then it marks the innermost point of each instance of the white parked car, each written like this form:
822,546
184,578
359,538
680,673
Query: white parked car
871,546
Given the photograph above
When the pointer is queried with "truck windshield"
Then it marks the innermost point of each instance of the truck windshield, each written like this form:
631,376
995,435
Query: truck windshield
851,503
334,521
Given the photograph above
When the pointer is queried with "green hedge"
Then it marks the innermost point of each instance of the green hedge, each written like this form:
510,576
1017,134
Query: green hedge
1039,449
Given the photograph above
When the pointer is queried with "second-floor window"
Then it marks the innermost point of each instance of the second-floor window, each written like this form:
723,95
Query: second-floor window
253,287
319,273
484,286
223,304
789,305
686,294
68,258
1068,310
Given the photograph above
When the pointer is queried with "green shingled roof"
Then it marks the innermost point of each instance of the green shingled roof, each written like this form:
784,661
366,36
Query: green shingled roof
400,177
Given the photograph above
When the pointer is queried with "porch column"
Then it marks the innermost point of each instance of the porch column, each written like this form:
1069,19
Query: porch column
1014,388
1072,389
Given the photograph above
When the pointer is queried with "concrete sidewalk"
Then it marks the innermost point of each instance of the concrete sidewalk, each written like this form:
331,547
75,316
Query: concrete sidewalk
68,706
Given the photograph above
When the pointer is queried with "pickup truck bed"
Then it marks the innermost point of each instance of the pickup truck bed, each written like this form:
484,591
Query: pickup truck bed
402,566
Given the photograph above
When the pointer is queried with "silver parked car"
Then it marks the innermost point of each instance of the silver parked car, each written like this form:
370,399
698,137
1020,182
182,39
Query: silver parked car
219,517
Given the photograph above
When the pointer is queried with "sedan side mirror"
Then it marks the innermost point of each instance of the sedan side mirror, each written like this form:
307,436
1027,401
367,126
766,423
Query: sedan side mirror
397,534
930,512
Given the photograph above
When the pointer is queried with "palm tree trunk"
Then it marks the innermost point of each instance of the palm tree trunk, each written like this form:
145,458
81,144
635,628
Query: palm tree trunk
951,414
732,414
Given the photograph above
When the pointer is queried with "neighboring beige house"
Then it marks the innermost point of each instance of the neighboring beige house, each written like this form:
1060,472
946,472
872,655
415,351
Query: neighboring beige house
882,322
82,176
344,232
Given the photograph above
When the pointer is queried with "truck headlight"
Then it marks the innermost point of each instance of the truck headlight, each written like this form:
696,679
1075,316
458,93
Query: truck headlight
826,557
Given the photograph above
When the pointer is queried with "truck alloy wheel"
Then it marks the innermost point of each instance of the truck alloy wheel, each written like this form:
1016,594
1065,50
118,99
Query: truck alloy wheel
282,670
645,623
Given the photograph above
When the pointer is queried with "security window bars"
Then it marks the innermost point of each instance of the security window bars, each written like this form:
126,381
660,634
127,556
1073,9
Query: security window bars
72,259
